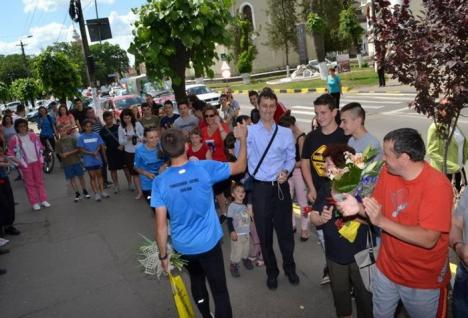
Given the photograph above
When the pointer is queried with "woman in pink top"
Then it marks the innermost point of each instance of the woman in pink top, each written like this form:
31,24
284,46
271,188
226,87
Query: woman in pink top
27,148
65,119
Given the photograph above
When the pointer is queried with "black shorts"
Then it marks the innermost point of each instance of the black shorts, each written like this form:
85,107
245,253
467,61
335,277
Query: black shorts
115,159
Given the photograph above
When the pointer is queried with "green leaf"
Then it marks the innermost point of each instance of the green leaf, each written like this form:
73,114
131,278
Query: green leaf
347,182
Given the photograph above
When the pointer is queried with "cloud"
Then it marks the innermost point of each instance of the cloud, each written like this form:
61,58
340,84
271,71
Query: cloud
43,36
53,5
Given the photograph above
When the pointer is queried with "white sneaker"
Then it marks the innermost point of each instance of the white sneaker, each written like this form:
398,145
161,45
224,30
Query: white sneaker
116,190
3,241
97,197
36,207
45,204
104,194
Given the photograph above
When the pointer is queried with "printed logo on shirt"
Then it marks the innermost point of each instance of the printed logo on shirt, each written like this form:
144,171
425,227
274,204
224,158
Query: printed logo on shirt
90,140
318,162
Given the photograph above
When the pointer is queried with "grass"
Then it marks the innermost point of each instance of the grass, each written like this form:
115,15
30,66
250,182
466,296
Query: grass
356,78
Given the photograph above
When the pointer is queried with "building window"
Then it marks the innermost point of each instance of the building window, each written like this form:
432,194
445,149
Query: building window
246,11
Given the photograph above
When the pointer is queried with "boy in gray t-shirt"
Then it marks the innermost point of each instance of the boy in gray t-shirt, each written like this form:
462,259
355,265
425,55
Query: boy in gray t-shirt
239,220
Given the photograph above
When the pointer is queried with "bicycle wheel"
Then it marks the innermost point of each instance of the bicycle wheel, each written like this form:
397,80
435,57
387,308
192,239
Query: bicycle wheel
49,161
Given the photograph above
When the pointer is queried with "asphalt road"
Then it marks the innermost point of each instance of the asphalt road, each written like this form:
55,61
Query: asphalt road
80,259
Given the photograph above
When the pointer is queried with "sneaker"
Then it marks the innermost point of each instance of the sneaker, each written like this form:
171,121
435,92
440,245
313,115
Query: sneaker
97,197
247,264
131,187
3,241
11,230
86,194
104,194
2,271
234,269
45,204
36,207
77,197
259,263
325,277
116,190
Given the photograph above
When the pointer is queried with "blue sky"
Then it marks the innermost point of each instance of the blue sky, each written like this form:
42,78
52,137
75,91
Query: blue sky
48,22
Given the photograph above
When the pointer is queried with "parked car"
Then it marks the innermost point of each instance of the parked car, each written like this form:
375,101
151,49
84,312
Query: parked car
34,114
118,103
11,106
204,93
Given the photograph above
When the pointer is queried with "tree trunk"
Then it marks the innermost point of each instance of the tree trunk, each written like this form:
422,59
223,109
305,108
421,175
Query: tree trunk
319,45
178,63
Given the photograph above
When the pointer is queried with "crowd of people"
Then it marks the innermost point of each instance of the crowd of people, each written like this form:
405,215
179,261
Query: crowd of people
206,167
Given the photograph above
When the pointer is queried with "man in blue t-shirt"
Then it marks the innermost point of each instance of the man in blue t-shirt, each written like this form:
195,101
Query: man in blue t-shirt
184,192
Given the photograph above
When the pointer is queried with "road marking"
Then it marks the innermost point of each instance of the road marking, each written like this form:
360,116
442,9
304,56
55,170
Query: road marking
347,100
312,109
399,110
385,94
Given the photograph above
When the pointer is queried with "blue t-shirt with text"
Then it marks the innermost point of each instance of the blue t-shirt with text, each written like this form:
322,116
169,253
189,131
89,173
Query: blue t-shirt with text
147,159
90,142
187,193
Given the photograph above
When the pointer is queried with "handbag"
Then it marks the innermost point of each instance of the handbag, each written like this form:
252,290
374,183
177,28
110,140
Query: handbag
366,261
181,297
248,183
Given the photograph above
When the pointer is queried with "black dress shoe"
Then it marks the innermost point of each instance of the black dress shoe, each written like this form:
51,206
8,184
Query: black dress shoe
4,251
11,230
293,278
2,271
272,283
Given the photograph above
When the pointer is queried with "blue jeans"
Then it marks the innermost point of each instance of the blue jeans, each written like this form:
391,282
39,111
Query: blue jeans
460,293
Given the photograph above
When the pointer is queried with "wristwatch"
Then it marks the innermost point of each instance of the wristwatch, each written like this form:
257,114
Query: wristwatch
161,258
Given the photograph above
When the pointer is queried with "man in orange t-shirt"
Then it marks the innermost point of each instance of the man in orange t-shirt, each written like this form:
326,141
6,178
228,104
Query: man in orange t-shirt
412,204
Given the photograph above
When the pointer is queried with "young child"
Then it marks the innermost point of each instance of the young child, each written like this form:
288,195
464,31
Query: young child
239,226
68,150
197,150
90,144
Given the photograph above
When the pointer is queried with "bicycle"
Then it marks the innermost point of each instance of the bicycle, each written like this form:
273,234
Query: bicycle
49,158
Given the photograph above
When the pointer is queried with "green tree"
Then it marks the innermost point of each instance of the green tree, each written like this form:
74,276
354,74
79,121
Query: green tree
74,52
247,50
169,34
4,92
282,29
108,59
58,74
12,67
318,27
326,37
25,89
350,30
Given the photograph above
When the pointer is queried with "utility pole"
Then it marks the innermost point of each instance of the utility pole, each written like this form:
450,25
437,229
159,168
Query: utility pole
22,50
76,14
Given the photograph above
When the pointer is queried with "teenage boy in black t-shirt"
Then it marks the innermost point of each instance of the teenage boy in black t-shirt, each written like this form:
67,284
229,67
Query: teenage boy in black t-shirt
315,143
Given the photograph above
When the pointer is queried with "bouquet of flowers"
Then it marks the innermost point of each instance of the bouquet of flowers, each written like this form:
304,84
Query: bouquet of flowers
149,258
358,178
